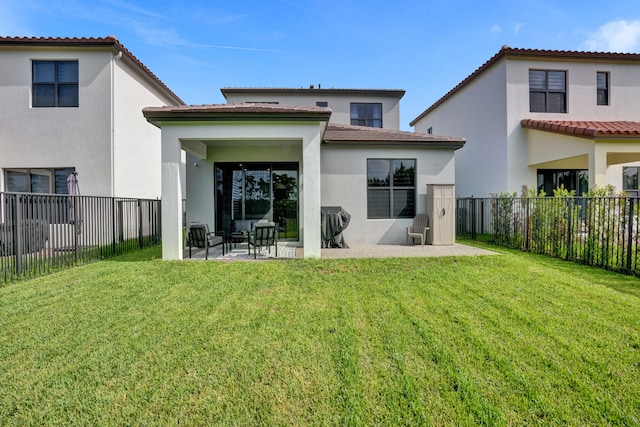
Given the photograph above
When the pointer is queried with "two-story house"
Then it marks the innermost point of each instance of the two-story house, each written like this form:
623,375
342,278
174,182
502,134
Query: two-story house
75,105
543,118
283,154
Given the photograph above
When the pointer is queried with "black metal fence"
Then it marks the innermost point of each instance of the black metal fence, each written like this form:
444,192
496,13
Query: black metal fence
42,233
598,231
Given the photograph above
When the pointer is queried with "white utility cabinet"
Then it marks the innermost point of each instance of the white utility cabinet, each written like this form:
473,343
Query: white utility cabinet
441,209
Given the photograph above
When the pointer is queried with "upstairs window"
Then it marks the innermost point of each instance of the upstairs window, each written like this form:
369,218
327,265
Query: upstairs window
547,91
602,82
55,84
366,114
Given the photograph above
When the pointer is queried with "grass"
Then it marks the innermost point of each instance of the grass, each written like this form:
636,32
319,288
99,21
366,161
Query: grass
515,339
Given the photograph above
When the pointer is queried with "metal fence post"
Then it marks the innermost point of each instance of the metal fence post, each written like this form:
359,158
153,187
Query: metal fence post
18,235
140,231
473,218
630,232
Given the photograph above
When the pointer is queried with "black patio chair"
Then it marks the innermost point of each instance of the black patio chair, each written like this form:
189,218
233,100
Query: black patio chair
199,236
264,234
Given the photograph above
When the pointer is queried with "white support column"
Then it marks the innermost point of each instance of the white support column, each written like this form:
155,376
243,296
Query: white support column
598,166
171,197
312,238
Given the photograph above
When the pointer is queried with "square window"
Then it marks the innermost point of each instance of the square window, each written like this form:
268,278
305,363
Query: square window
547,91
366,114
55,84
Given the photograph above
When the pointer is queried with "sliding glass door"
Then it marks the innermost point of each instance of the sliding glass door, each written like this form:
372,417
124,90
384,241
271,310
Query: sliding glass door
250,192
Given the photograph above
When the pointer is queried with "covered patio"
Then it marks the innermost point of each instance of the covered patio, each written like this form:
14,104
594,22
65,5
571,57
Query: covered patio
233,151
594,147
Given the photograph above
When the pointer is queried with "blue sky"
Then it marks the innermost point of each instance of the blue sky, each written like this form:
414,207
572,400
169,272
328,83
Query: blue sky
425,47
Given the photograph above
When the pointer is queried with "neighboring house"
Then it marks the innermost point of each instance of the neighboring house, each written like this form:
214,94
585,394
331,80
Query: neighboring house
543,118
74,105
283,154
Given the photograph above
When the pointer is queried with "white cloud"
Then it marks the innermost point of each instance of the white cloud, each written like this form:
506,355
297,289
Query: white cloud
517,27
619,35
495,30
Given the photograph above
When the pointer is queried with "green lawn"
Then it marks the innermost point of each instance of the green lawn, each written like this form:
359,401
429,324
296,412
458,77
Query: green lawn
514,339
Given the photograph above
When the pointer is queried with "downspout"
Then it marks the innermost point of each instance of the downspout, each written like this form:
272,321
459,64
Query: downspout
112,124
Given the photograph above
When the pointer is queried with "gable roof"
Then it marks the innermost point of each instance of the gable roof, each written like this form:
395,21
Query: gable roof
515,53
349,134
398,93
585,129
109,41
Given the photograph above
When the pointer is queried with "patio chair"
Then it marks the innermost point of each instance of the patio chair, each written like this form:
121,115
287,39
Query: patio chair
199,236
419,228
264,234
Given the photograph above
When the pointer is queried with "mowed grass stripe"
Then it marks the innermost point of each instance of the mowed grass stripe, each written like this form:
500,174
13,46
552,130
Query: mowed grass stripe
508,340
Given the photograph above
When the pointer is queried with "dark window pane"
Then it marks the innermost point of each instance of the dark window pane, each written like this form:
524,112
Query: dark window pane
376,123
17,181
556,103
376,111
357,111
68,95
378,172
404,173
60,180
630,178
537,80
44,72
378,203
556,81
602,97
403,203
40,183
44,95
67,72
537,102
602,80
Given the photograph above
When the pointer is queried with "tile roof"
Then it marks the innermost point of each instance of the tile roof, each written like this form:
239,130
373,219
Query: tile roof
109,41
236,112
508,52
585,129
348,134
311,90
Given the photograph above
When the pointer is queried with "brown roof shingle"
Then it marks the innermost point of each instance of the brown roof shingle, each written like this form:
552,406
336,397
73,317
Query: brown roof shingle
90,41
585,129
349,134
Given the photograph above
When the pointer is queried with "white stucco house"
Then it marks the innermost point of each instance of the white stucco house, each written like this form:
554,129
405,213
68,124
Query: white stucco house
74,104
283,154
542,118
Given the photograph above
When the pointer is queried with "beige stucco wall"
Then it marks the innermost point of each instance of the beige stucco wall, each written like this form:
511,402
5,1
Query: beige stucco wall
340,104
136,144
57,137
477,113
344,183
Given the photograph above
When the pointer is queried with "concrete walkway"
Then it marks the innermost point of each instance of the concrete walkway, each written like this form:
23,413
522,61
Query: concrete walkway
403,251
285,251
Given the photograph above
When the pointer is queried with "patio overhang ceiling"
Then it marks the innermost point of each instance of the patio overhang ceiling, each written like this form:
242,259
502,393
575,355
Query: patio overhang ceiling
360,135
